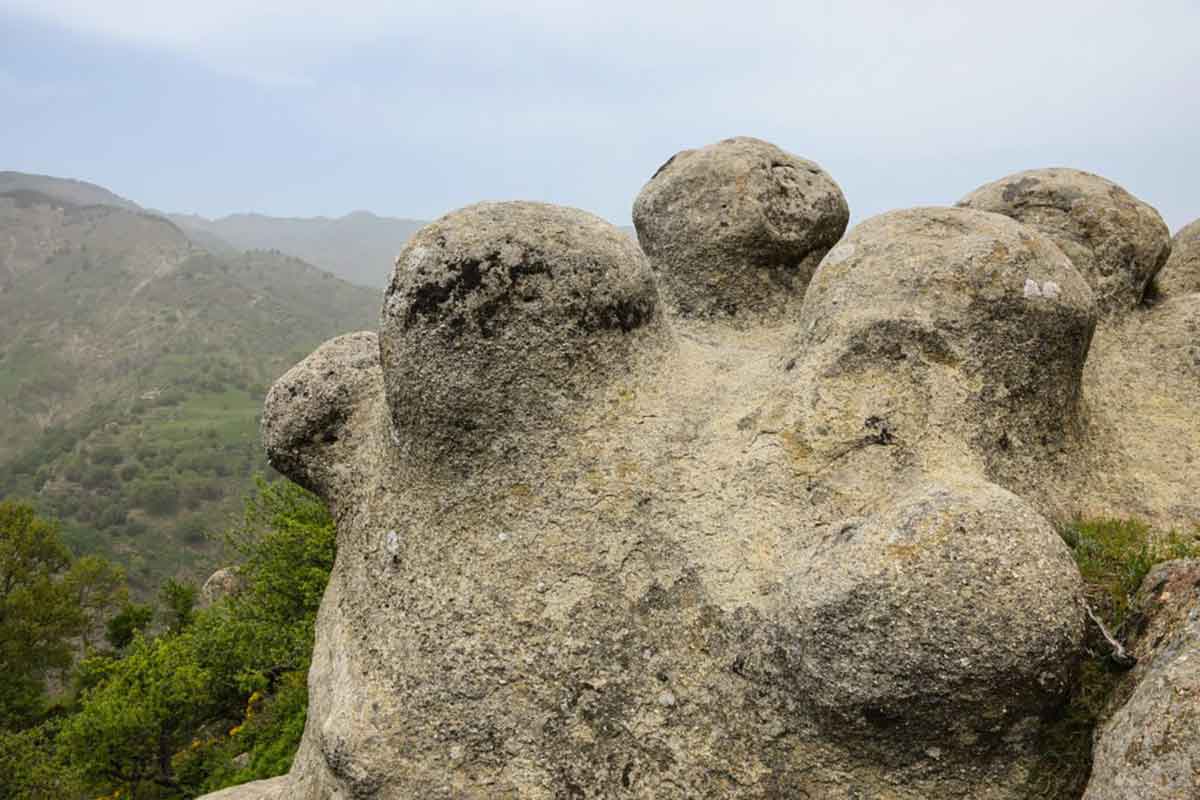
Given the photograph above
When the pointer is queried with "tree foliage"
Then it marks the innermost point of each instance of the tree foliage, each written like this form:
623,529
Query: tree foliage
217,697
49,606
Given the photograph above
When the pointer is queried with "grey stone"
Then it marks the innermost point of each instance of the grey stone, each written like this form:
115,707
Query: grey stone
1150,748
593,546
223,583
1141,389
306,425
736,229
1181,274
271,789
1116,241
502,318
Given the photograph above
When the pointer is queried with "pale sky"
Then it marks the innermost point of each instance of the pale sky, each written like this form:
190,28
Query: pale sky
413,108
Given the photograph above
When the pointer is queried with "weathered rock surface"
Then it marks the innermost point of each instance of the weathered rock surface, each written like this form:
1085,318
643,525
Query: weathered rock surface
223,583
1116,241
1142,394
272,789
1181,274
307,427
944,338
501,319
1150,748
591,544
956,597
737,228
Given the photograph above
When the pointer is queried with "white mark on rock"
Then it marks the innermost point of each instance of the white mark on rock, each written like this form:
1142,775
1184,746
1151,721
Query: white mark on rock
1049,289
666,698
502,536
391,543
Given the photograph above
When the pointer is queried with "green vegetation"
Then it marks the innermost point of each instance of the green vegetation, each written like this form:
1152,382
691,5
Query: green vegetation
49,606
217,697
133,368
1113,556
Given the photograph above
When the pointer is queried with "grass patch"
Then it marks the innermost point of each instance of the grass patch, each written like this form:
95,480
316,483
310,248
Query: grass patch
1113,556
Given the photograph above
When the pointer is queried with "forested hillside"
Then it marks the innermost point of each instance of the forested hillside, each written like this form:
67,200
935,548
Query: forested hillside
133,365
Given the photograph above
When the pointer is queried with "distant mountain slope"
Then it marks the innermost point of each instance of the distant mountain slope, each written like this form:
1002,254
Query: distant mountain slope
359,247
133,365
65,190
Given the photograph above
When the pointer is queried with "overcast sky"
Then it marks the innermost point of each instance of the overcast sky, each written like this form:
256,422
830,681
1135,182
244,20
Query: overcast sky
413,108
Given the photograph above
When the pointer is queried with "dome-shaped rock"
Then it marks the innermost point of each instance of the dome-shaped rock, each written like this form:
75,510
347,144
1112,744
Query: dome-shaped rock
1116,241
305,418
736,228
500,317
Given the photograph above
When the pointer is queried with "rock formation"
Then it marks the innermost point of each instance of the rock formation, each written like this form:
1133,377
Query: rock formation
775,533
223,583
1181,274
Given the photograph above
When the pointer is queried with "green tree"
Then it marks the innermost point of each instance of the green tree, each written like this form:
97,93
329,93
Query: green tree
98,589
37,617
178,601
129,621
131,725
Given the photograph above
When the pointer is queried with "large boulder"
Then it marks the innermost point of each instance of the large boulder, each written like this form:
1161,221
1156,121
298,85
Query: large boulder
1142,391
737,228
1115,240
306,424
1181,274
1150,748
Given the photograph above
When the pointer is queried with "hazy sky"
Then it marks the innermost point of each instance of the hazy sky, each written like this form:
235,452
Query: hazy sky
412,108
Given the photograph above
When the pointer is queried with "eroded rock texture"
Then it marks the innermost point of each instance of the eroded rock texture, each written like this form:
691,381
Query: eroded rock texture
614,525
736,229
1181,274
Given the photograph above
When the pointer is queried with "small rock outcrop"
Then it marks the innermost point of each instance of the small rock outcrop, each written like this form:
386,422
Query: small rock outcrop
272,789
1116,241
221,584
737,228
1150,748
1181,274
709,522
